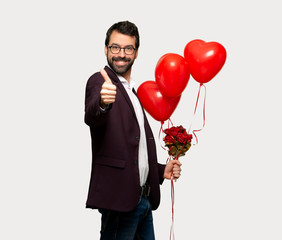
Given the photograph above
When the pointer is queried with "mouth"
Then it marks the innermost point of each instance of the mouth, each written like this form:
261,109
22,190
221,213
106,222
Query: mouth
121,61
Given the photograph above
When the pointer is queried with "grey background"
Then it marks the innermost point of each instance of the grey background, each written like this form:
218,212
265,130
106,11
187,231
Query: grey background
231,181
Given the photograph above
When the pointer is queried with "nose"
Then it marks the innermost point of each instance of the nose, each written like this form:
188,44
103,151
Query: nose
121,53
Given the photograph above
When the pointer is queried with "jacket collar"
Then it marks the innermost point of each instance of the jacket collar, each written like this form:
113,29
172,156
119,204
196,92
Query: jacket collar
117,82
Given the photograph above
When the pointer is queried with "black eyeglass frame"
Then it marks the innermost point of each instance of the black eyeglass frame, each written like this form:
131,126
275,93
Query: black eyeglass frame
120,48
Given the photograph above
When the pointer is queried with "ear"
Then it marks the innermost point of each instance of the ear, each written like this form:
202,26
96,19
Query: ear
136,54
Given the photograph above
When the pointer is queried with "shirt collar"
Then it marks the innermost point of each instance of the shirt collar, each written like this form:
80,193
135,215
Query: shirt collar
129,85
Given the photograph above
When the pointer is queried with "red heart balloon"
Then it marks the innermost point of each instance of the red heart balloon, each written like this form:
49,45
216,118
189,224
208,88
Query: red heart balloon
155,103
205,59
172,74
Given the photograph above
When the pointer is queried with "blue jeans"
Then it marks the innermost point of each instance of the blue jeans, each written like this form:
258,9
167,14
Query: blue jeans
134,225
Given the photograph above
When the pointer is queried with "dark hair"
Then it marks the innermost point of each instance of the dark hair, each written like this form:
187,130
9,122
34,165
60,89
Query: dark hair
125,27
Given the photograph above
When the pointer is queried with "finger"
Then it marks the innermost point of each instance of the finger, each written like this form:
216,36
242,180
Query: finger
105,76
175,166
176,170
108,97
108,101
174,162
108,91
109,86
176,174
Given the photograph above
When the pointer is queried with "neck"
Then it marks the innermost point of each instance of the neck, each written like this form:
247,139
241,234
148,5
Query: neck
127,75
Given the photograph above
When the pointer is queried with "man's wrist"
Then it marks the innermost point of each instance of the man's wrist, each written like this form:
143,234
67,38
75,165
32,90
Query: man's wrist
104,107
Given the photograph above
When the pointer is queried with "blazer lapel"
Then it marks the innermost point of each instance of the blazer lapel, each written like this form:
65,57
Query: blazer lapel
118,83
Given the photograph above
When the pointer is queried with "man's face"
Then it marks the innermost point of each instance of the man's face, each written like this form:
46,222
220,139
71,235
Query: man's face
121,62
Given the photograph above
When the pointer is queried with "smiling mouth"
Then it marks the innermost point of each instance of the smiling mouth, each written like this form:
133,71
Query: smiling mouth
121,63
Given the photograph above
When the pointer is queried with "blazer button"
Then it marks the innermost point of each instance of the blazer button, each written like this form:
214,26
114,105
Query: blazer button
137,138
135,162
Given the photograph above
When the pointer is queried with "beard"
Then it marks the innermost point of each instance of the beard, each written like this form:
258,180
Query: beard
120,69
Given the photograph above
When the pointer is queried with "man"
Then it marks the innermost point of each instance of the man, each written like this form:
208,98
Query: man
125,177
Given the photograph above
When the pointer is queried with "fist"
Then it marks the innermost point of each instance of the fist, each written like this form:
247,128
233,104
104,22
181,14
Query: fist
173,168
108,91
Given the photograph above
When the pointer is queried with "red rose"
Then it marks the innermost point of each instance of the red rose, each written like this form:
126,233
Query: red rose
177,140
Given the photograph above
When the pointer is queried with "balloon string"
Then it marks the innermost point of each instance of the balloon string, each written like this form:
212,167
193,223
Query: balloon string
195,106
204,110
169,122
162,131
178,155
171,177
172,201
171,236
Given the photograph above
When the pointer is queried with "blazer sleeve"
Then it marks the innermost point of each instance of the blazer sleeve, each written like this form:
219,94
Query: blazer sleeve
161,172
94,115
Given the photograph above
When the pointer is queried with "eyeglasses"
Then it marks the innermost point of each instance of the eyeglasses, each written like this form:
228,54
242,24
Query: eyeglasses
115,49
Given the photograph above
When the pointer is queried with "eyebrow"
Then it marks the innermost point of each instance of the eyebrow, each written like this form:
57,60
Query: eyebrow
115,44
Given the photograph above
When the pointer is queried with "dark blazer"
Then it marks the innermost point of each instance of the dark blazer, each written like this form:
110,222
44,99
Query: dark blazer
115,135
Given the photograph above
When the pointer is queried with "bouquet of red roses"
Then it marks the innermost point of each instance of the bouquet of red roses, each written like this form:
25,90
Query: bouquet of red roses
177,140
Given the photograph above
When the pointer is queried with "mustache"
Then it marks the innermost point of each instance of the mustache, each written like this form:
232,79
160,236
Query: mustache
121,59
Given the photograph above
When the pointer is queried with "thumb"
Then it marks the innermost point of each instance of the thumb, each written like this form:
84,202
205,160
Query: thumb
105,76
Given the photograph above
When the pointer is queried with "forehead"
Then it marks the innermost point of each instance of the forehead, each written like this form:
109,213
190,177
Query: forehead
121,39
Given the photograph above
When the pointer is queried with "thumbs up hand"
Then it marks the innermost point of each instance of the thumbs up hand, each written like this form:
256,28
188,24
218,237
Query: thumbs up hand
108,91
